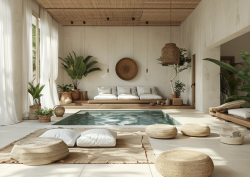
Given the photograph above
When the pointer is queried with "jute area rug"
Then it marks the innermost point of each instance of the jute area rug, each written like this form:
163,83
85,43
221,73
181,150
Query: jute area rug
132,147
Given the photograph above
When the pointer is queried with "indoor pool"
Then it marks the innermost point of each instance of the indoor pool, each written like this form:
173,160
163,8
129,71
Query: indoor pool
118,117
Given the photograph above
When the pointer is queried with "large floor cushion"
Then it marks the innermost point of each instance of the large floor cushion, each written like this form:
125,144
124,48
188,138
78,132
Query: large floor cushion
193,129
67,135
128,97
105,97
184,163
241,112
230,105
39,151
150,97
97,138
161,131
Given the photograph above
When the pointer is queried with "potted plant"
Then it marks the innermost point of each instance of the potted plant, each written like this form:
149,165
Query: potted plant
179,87
66,92
183,65
35,92
76,68
44,114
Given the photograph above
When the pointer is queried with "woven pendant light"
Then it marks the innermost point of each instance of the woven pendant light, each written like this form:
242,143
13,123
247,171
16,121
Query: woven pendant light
170,53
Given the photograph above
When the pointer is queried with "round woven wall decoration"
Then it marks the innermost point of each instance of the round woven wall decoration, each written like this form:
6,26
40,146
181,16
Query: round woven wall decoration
126,69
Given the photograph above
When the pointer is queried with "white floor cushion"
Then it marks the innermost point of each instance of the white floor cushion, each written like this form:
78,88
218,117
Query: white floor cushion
241,112
67,135
105,97
128,97
97,138
150,97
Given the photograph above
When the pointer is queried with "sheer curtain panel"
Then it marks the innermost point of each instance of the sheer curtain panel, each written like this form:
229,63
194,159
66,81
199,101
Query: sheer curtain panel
27,62
49,59
7,105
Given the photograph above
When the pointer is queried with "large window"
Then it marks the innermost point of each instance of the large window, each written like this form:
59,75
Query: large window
35,48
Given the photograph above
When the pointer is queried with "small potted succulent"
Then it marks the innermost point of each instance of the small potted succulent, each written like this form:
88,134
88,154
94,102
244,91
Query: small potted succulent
179,87
66,93
35,92
44,114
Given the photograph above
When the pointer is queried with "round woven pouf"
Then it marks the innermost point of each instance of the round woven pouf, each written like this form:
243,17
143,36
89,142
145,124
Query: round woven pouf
39,151
184,163
195,129
161,131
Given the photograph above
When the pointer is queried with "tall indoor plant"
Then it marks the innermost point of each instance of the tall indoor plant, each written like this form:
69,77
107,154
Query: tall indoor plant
35,92
239,73
77,68
183,65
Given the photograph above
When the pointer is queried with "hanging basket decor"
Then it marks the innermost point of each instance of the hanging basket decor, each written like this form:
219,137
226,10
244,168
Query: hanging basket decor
170,54
126,69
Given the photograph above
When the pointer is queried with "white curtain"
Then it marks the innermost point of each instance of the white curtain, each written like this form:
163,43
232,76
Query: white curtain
7,105
49,59
27,62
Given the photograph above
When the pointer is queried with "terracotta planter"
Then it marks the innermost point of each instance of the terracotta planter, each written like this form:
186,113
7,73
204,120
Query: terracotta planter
75,94
59,111
44,118
65,95
171,96
32,110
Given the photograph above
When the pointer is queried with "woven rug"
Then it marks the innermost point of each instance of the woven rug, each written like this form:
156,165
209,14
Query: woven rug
132,147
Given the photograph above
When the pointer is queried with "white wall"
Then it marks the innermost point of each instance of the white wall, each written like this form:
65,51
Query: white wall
211,24
109,44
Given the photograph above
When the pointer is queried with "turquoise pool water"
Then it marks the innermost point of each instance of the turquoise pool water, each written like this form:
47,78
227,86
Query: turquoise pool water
118,117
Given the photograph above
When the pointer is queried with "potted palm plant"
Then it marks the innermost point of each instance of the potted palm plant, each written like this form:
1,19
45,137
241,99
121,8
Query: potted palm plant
66,92
179,87
77,68
44,114
35,92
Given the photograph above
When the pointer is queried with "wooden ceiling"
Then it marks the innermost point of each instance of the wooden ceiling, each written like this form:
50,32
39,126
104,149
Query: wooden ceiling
119,12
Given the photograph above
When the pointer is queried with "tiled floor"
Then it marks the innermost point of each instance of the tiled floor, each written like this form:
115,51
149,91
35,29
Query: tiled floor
229,160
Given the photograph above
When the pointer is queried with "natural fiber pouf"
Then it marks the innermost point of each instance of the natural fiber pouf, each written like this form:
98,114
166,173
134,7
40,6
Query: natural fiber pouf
184,163
195,129
39,151
161,131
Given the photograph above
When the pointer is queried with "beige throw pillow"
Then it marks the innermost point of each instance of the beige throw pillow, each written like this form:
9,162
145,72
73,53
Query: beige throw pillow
125,91
146,91
105,91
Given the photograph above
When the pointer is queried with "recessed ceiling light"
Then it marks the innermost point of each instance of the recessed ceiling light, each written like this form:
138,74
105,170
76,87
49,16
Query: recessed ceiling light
133,18
108,18
146,22
72,22
84,22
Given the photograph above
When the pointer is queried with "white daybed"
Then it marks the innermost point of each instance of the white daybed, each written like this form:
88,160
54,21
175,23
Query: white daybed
106,93
148,93
127,93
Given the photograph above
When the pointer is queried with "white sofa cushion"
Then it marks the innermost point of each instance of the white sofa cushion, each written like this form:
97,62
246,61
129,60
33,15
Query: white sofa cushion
105,91
152,90
128,97
101,88
97,138
132,90
67,135
150,97
105,97
124,91
241,112
146,91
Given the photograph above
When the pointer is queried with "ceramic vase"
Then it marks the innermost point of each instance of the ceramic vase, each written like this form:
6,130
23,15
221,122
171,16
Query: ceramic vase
68,100
64,96
158,102
167,102
59,111
75,94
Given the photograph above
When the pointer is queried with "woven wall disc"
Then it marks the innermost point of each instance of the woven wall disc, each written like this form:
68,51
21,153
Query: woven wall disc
126,69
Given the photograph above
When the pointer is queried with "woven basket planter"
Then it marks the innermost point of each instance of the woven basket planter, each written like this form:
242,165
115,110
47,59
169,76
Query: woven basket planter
44,118
236,140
